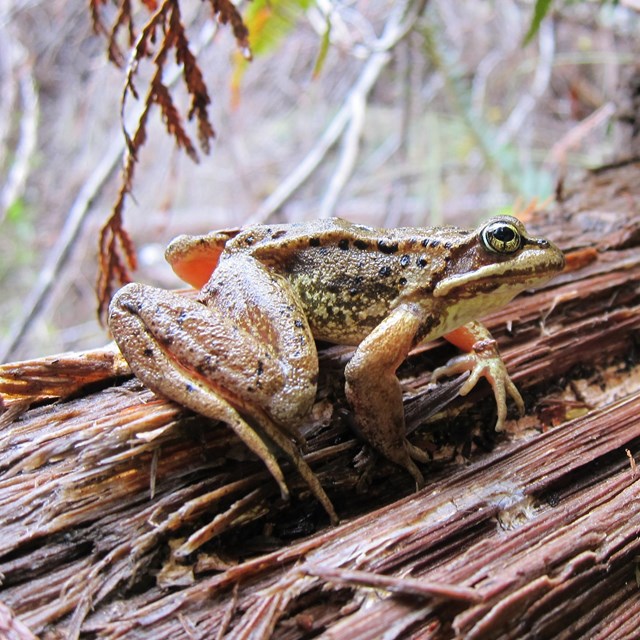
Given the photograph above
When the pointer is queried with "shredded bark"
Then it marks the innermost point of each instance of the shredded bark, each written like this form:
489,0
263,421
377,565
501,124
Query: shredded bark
123,515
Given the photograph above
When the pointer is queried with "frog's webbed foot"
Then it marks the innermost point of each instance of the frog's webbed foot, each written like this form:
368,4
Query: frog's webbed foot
368,462
484,361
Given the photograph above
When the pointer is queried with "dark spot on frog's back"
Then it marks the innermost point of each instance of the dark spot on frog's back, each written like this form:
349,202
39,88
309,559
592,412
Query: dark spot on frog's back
356,285
361,244
279,234
405,260
132,307
387,248
314,242
165,341
385,271
343,244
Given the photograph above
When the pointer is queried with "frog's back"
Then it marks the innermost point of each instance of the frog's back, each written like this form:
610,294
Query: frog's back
266,241
271,243
348,276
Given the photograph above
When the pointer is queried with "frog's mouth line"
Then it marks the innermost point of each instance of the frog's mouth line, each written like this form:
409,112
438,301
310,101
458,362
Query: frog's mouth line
496,275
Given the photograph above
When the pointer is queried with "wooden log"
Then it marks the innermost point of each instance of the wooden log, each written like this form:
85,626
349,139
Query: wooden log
121,515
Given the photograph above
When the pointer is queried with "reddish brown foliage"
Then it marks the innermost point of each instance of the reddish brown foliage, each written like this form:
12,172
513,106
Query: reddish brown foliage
162,33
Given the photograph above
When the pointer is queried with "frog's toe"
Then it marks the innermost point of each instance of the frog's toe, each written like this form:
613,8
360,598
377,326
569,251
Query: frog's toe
501,388
417,453
501,404
456,365
512,390
415,473
472,380
413,453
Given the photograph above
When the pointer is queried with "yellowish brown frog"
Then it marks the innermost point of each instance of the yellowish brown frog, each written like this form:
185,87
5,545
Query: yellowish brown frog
244,353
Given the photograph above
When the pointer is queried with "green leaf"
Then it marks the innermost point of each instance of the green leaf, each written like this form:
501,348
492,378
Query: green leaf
16,211
540,11
268,21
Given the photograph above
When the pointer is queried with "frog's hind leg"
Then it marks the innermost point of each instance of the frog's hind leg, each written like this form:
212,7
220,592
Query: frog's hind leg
181,349
163,376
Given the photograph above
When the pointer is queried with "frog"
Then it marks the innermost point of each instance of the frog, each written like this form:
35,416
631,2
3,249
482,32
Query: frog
244,351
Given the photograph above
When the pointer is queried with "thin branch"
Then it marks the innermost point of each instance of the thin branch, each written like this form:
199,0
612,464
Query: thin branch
27,99
571,139
60,253
398,25
357,105
541,79
76,217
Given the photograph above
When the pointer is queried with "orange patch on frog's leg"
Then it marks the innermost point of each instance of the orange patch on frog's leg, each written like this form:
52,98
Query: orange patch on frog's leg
465,337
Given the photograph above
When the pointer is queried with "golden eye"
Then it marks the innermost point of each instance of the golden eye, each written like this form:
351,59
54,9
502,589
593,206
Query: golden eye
501,237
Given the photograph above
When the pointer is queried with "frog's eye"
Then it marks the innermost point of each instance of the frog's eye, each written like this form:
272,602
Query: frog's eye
501,237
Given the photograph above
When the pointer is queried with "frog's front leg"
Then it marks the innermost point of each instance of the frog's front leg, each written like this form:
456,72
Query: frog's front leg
483,360
374,392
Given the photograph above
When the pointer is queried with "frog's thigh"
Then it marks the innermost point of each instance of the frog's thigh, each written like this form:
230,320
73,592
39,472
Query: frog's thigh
146,340
374,390
174,346
282,360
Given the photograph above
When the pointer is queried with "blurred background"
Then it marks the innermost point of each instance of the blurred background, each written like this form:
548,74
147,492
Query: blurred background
379,112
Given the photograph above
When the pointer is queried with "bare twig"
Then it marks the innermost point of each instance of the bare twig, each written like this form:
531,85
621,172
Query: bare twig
542,76
559,151
27,106
398,25
76,217
357,105
60,253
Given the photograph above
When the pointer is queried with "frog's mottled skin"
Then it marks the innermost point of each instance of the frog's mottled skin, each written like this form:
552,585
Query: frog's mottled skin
245,353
